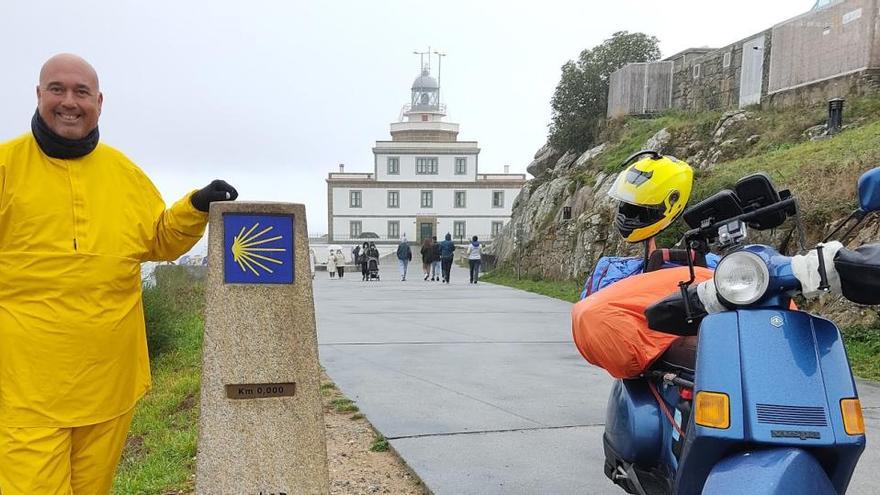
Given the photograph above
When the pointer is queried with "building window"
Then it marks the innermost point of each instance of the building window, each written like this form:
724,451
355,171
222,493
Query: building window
355,227
725,62
426,166
496,228
393,165
566,212
458,230
497,199
461,166
460,199
354,199
394,199
394,229
427,199
697,71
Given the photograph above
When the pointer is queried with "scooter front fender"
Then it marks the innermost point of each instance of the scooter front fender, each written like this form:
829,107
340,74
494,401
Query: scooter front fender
769,472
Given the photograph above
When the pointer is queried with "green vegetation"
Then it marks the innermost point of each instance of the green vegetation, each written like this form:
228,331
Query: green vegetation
380,443
863,348
567,290
344,405
580,100
160,453
630,136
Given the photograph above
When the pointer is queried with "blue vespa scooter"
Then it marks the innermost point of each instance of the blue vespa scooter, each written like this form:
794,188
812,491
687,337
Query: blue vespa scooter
768,404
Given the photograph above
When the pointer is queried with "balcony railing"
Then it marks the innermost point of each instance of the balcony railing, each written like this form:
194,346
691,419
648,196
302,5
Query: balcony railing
510,177
351,176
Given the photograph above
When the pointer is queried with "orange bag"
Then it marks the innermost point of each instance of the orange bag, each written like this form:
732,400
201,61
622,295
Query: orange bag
610,328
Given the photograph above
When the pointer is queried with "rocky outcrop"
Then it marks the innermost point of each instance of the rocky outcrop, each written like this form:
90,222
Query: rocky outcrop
545,159
561,221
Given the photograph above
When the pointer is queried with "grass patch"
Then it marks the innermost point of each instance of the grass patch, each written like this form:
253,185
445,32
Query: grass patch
797,167
863,348
344,405
159,456
567,290
380,443
630,136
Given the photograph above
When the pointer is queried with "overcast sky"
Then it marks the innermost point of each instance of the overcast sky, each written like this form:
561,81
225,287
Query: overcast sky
273,95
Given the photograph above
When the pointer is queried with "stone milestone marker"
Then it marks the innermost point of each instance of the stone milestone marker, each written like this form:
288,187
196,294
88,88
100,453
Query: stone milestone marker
261,426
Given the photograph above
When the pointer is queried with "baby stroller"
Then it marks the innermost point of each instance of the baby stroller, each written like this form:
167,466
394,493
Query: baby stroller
372,268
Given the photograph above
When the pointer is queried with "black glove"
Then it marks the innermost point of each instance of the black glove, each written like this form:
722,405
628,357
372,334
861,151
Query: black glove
217,190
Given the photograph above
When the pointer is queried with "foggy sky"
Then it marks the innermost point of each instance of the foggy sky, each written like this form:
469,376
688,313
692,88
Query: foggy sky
273,95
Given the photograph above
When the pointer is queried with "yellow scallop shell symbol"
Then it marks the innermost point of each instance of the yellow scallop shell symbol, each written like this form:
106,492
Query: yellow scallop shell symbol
246,253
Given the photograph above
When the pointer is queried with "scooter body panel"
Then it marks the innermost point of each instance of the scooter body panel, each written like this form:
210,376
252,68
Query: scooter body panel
632,422
785,373
776,471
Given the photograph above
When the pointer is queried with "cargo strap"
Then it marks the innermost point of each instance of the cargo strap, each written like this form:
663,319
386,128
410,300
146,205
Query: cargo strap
664,408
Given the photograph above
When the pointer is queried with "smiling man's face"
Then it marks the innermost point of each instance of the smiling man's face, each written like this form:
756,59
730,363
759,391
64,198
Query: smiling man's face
68,97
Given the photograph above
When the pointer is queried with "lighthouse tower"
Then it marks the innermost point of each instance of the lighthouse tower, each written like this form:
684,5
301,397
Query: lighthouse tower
422,118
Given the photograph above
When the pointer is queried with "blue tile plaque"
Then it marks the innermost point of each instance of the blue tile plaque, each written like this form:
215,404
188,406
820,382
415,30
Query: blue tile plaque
258,249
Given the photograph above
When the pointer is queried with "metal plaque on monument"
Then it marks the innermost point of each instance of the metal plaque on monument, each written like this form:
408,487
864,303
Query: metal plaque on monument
261,425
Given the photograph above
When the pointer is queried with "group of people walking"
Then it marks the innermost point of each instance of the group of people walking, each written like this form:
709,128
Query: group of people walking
336,263
437,258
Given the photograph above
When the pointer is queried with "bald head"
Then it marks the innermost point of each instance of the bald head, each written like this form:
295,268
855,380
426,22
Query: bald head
69,62
68,97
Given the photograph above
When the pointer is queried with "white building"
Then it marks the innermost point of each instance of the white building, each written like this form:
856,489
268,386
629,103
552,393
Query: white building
424,182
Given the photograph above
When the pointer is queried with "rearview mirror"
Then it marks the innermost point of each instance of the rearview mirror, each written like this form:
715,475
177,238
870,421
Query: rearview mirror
869,190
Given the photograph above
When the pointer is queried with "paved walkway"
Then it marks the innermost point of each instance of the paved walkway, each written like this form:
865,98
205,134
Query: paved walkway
479,387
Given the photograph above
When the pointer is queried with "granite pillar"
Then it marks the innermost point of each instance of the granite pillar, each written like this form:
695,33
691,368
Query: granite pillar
261,426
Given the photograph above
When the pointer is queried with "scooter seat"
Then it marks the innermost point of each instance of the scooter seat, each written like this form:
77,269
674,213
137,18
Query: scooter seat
680,356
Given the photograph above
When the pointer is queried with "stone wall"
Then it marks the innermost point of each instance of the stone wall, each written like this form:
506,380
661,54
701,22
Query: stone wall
716,87
822,54
857,84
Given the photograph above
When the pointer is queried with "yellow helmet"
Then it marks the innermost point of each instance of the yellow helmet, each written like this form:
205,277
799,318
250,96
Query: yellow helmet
652,192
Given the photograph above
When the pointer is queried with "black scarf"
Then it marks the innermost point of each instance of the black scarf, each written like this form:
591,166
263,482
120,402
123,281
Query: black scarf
59,147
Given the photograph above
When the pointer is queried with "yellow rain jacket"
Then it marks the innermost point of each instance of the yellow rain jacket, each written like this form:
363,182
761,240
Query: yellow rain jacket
73,234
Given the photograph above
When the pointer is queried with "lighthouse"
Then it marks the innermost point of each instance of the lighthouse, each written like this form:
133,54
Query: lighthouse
424,181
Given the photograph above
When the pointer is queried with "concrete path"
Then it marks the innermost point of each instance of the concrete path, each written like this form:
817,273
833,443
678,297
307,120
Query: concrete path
479,387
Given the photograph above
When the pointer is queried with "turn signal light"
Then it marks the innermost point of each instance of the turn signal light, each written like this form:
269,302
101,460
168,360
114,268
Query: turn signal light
712,410
853,421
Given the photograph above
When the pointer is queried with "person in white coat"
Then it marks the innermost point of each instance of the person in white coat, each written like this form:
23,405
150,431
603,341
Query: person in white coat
331,264
474,259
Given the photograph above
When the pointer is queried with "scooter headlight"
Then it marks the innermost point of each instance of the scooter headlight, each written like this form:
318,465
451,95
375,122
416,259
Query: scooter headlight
742,278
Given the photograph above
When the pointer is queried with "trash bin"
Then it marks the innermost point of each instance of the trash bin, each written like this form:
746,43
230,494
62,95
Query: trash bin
835,115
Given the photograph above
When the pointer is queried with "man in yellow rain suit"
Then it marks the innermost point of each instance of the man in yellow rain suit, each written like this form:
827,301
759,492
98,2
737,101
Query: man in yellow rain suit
77,218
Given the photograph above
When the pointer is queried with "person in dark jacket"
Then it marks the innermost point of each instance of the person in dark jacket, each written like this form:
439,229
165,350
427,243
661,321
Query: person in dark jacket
447,252
355,254
427,255
435,259
404,256
362,259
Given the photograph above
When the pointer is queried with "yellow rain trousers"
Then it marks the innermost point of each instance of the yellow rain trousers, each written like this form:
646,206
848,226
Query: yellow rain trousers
73,233
62,461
